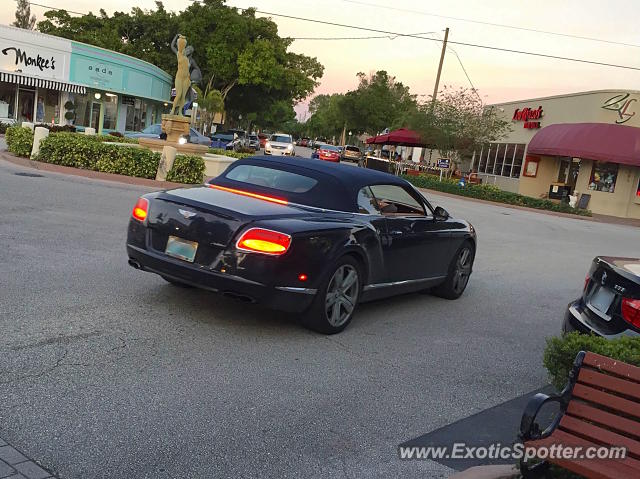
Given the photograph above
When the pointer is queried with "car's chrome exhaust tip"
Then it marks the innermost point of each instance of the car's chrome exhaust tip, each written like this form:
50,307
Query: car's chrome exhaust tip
239,297
134,263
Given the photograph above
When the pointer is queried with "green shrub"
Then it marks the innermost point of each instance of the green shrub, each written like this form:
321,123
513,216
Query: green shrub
93,153
491,193
114,138
187,169
230,153
88,152
58,128
562,351
19,140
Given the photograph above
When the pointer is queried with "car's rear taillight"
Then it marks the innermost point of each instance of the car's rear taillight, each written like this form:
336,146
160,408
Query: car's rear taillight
141,209
631,311
260,240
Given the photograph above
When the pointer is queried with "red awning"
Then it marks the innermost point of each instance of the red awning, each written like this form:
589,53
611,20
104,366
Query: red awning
397,137
592,141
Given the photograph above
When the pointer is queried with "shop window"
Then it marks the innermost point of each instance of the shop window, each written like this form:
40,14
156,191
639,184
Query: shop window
518,160
82,109
603,176
136,115
110,105
48,107
497,167
508,159
482,159
26,106
7,100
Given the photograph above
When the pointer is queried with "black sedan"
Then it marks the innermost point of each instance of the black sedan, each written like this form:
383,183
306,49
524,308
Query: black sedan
610,301
308,237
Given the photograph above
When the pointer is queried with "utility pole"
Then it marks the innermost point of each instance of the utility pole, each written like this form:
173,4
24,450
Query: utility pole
444,49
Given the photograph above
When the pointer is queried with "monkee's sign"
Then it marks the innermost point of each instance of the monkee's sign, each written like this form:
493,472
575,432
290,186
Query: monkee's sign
528,114
22,59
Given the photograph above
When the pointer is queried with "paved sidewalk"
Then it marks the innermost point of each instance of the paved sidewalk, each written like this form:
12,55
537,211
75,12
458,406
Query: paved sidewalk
15,465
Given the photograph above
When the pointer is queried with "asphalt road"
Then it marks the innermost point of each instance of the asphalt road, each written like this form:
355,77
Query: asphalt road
109,372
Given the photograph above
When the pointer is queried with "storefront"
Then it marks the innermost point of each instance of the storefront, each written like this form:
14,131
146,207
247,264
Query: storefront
585,145
46,79
34,71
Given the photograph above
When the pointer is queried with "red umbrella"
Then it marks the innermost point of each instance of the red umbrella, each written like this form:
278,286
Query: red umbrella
402,137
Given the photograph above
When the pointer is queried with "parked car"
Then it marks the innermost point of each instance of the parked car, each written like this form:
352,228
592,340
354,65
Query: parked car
352,153
329,153
307,237
610,301
221,140
254,142
154,131
280,144
304,142
263,139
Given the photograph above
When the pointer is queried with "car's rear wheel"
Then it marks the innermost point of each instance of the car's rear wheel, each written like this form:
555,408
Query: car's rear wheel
459,273
337,298
175,282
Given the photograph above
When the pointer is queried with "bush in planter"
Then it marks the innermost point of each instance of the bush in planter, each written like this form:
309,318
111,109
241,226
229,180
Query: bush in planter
562,351
58,128
230,153
111,138
71,149
491,193
187,169
19,140
129,161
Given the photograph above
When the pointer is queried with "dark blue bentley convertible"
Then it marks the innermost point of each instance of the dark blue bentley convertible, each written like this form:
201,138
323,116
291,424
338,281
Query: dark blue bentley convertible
304,236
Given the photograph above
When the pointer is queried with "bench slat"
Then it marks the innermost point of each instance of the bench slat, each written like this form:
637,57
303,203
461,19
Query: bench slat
619,423
607,400
612,366
593,468
599,380
600,435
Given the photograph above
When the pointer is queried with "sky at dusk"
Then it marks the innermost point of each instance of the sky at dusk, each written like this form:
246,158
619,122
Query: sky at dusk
499,76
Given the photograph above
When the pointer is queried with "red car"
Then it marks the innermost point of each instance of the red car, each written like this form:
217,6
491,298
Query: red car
329,153
263,139
304,142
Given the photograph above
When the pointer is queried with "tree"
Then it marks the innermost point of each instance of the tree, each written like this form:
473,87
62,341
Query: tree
239,55
457,124
24,19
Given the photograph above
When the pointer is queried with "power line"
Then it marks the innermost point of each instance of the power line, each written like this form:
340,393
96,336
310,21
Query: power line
55,8
466,44
390,37
492,24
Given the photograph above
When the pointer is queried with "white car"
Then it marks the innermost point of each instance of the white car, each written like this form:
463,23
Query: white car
280,144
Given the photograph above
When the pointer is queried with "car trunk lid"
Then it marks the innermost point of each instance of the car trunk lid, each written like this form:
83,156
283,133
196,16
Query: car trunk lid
211,217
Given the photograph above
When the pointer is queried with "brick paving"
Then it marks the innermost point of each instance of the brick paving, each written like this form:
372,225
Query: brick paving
15,465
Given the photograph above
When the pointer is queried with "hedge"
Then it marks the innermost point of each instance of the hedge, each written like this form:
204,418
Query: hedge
90,153
230,153
187,169
491,193
19,140
562,351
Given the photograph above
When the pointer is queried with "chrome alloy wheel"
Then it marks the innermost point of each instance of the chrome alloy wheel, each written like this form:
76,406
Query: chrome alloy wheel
342,295
462,270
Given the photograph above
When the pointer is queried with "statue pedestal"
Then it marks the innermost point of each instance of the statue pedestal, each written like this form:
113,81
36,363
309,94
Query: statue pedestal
175,126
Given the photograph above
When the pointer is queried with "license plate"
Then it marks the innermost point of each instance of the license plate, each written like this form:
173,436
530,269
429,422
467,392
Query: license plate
601,299
181,249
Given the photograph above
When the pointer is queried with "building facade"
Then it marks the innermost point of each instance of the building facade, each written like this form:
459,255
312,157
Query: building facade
581,144
47,79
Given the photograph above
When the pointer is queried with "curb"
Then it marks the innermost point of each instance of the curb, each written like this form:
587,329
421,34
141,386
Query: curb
96,175
595,217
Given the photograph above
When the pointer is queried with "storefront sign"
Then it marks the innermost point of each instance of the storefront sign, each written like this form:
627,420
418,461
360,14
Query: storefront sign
24,51
623,105
526,115
97,74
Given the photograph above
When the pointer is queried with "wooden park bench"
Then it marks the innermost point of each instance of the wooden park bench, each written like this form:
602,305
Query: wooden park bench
600,406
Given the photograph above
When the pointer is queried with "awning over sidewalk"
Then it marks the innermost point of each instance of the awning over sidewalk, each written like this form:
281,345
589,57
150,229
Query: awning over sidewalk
592,141
28,80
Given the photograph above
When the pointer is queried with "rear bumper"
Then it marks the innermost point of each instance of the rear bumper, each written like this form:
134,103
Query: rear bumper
283,298
575,319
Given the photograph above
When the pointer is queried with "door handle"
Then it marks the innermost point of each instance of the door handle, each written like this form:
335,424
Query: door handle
395,233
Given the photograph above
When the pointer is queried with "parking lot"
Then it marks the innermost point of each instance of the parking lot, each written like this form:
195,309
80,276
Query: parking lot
110,372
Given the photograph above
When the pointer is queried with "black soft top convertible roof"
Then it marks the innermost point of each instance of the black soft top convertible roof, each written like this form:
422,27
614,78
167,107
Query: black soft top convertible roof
337,187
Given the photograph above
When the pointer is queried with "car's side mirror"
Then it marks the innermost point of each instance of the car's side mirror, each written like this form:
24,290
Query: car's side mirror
440,213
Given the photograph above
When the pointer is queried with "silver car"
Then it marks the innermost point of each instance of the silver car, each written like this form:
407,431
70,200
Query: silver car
280,144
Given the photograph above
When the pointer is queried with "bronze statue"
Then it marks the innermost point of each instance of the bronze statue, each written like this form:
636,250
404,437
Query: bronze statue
188,72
